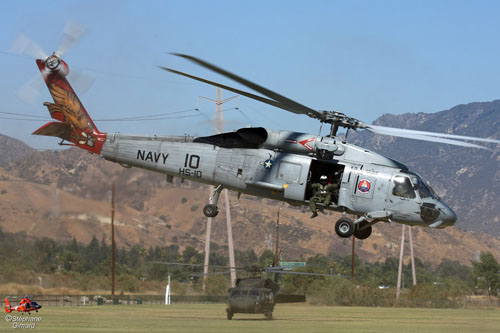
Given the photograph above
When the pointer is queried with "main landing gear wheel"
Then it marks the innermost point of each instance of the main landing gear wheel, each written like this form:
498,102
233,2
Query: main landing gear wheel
269,315
210,210
344,227
361,233
229,314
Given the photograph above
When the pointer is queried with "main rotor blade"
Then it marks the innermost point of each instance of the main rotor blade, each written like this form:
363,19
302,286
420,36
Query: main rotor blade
193,265
421,137
209,274
237,91
439,135
301,273
294,106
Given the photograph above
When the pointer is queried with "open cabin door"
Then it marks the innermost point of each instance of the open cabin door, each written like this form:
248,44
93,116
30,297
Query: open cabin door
329,168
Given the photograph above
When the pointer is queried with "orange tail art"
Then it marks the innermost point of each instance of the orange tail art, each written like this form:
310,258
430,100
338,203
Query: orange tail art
73,122
8,309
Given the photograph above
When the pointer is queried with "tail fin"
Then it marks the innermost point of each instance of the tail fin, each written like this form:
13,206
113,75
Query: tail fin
8,309
74,124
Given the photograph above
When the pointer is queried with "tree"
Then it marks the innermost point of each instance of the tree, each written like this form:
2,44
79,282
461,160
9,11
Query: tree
487,272
266,258
453,269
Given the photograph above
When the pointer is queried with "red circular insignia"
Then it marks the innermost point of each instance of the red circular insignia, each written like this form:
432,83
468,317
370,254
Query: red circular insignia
364,185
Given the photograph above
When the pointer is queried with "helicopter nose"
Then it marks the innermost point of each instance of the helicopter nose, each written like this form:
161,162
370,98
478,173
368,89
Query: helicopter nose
447,215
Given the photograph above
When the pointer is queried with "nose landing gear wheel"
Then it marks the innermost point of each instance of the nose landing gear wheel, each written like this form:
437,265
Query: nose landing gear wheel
344,227
210,210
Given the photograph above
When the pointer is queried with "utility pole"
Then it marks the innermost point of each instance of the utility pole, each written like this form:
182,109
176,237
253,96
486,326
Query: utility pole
113,238
276,247
352,257
413,273
207,246
400,268
219,119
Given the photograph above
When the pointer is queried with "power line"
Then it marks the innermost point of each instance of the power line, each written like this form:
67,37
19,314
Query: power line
153,117
148,116
26,119
23,114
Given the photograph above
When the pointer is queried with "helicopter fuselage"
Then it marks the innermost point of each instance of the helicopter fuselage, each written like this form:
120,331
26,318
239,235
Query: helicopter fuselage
283,165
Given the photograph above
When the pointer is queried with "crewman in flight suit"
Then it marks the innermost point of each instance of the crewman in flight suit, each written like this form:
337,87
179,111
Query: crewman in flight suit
322,193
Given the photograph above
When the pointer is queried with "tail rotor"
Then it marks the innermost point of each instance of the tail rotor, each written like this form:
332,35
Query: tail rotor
73,32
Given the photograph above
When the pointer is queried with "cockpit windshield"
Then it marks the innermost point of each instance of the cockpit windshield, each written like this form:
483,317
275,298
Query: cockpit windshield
424,190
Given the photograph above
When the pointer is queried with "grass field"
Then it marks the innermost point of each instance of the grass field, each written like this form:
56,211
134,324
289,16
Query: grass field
288,318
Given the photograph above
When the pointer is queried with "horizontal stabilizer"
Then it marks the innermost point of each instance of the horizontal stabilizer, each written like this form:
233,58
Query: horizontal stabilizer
60,130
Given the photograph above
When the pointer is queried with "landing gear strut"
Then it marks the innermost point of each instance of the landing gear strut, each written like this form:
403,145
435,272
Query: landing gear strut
210,210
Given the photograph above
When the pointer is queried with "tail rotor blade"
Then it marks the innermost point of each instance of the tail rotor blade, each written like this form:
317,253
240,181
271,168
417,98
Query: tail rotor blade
30,91
72,34
81,81
25,46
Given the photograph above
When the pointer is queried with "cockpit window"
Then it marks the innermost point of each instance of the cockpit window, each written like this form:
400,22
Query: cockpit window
236,293
254,292
403,187
424,190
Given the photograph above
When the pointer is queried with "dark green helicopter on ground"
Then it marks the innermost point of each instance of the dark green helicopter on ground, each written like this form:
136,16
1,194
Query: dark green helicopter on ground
259,295
252,295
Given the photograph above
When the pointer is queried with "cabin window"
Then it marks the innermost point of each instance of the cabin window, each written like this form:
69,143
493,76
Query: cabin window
403,187
254,292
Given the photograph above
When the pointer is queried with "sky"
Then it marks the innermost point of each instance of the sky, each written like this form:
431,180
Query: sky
363,58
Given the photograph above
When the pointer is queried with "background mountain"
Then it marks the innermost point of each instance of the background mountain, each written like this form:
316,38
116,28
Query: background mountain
12,149
66,194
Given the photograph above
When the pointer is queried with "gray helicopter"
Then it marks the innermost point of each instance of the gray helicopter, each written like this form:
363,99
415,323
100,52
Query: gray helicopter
280,165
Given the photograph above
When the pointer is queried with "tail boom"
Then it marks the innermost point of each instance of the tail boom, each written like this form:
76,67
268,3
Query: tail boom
73,122
8,309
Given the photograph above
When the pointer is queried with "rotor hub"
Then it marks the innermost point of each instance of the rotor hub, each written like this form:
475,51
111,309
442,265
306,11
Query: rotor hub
53,62
341,120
